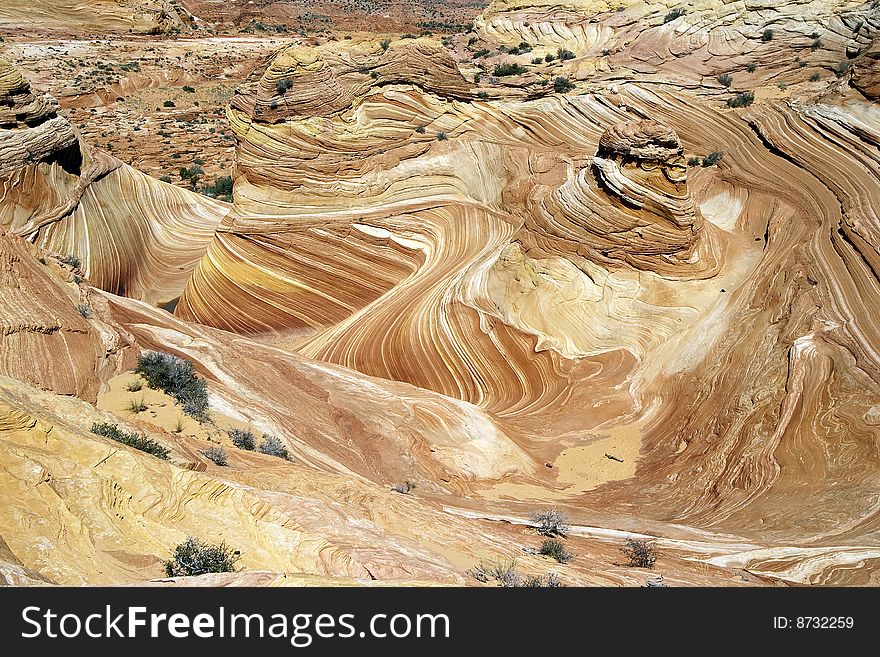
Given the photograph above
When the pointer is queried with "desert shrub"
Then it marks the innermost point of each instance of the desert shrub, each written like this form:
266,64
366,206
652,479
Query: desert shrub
221,188
743,99
639,553
385,43
420,129
477,78
165,179
562,84
751,67
564,54
725,79
177,377
484,52
194,557
767,35
524,46
71,261
815,77
693,161
168,103
537,60
678,12
553,548
135,385
713,158
505,573
506,69
841,69
442,136
84,311
243,439
405,488
217,454
130,439
817,43
536,581
549,57
549,523
283,85
188,89
136,406
273,446
483,95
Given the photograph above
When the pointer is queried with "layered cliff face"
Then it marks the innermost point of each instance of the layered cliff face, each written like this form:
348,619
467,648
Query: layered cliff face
140,16
133,234
636,282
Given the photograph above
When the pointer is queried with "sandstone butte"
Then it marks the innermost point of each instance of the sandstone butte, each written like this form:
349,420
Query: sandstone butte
518,292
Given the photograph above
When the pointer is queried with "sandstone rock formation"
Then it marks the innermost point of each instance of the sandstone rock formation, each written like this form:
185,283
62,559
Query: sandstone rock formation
134,235
513,291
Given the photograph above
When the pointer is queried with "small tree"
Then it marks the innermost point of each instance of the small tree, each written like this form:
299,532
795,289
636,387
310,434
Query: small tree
549,523
639,553
194,557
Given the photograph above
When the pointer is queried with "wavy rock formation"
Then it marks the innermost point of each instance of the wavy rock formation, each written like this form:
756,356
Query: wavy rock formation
134,235
142,16
539,291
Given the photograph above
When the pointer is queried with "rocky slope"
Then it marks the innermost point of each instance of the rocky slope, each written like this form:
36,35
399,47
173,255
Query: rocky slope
635,281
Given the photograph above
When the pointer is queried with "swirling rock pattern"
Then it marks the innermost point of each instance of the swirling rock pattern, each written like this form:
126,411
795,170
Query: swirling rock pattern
517,299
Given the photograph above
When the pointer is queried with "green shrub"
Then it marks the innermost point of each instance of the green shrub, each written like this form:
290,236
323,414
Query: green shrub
176,377
193,557
283,85
168,103
673,14
713,158
506,69
693,161
553,548
442,136
130,439
482,95
841,69
243,439
767,35
188,89
549,57
221,188
537,60
564,54
385,43
743,99
272,446
166,179
562,85
420,129
725,79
